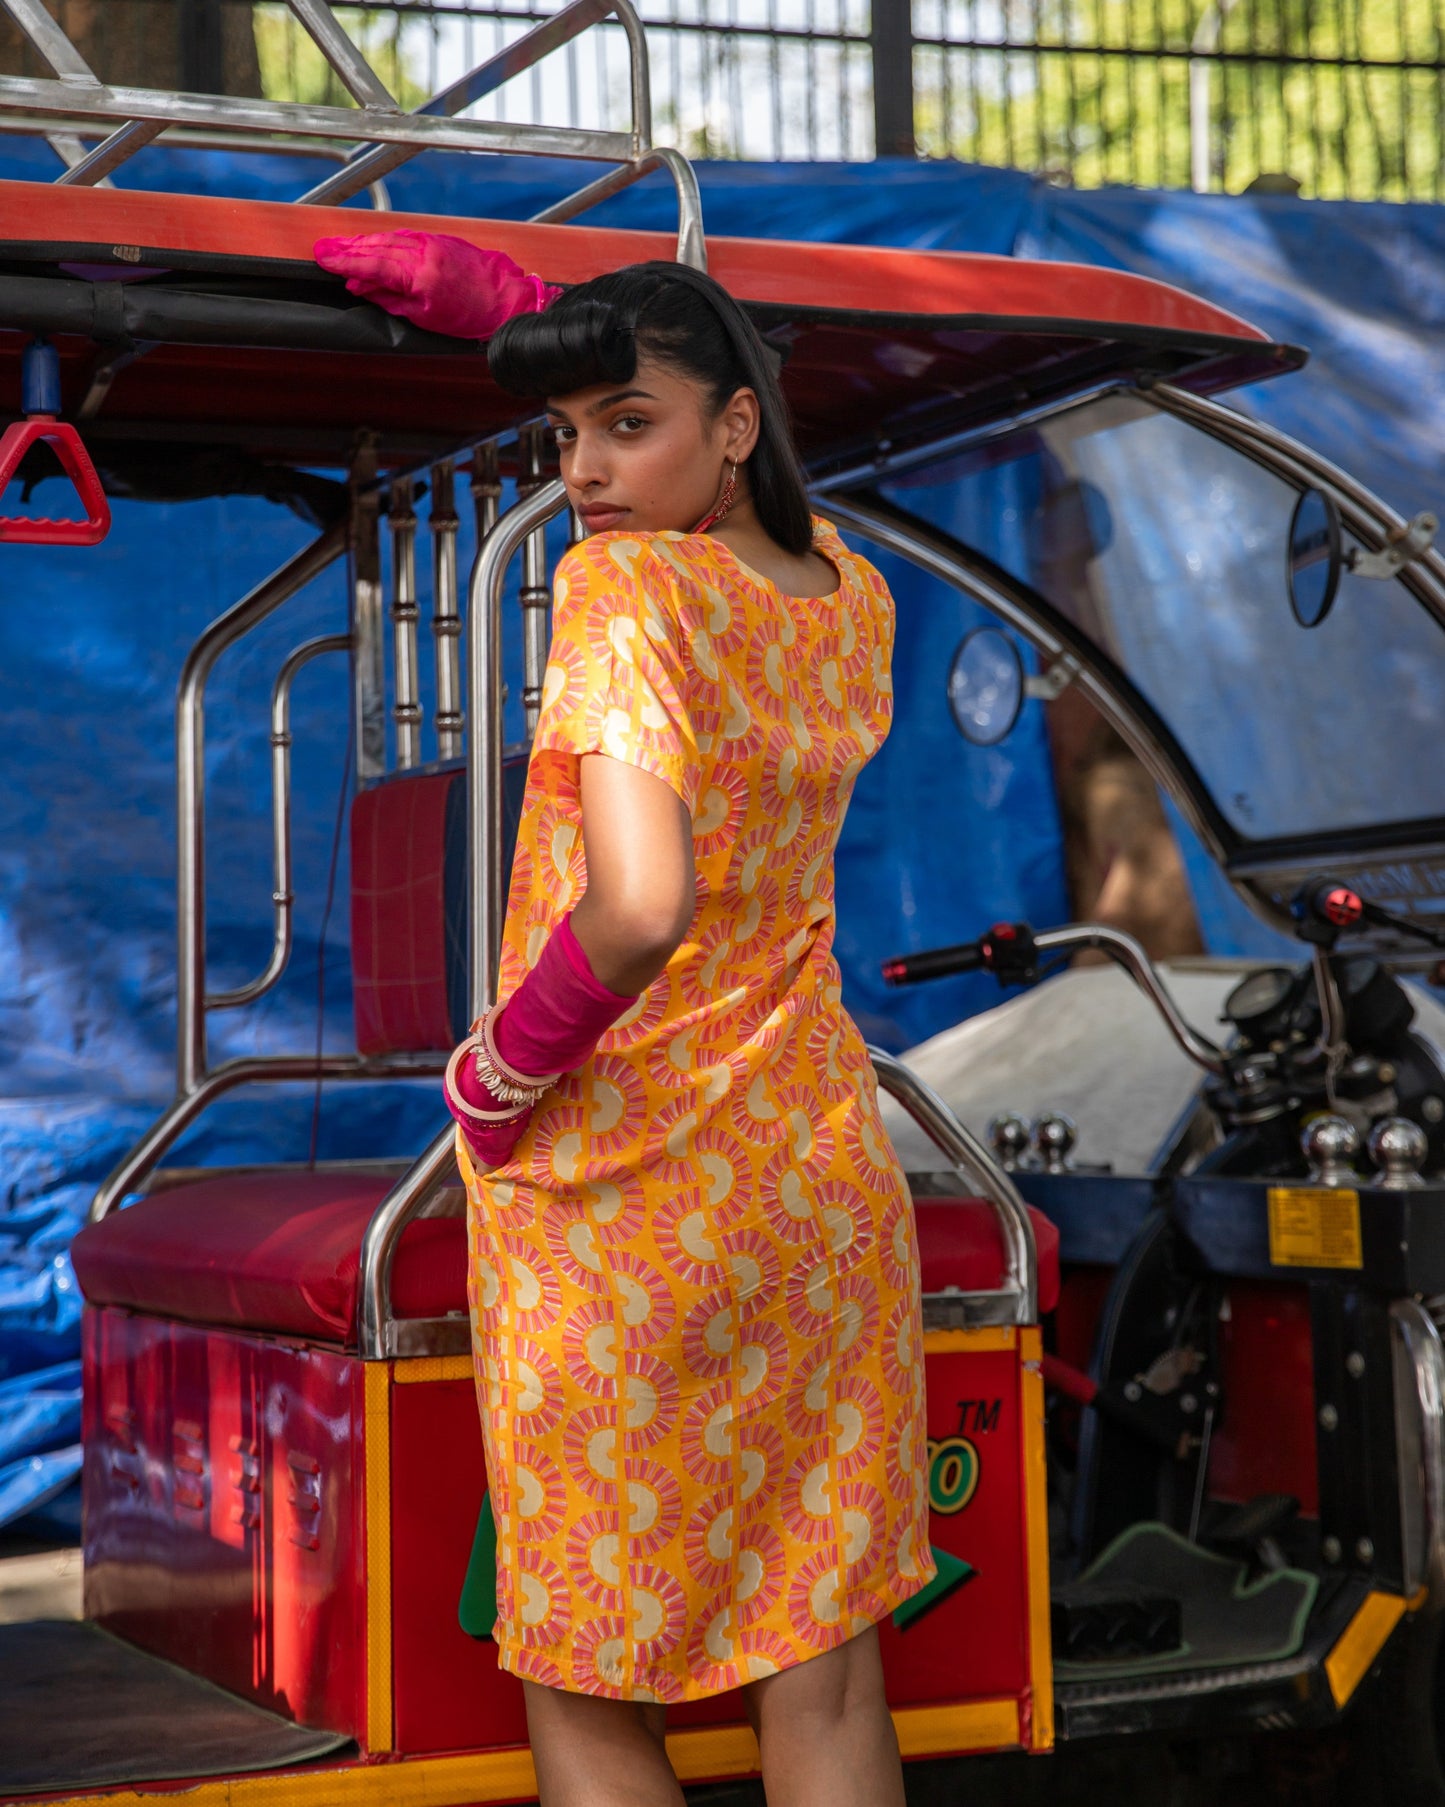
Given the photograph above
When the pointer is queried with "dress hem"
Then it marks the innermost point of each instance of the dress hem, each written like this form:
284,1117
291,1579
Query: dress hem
667,1690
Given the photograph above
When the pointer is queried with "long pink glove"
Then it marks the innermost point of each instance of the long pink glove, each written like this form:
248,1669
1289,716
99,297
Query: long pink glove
550,1024
435,280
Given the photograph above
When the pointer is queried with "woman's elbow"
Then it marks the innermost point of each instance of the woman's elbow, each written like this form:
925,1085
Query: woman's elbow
653,928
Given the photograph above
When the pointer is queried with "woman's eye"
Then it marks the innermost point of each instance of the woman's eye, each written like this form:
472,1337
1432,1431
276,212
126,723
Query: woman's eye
630,423
564,435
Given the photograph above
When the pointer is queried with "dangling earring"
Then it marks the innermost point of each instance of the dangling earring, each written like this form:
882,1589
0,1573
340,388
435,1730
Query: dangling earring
724,501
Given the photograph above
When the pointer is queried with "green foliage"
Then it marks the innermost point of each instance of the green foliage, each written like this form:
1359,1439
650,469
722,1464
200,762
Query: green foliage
1320,90
292,68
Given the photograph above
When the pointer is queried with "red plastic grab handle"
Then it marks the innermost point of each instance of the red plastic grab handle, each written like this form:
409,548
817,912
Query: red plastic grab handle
75,461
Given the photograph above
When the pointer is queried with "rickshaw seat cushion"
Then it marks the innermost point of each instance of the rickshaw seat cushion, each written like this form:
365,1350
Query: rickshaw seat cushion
273,1251
960,1244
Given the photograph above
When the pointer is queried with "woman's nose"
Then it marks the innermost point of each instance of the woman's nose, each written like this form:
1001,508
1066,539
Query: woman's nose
586,467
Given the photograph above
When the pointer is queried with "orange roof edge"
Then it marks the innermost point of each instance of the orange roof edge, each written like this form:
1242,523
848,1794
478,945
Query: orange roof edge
781,273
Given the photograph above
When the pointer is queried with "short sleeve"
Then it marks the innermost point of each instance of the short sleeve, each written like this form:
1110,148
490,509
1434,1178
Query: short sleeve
616,678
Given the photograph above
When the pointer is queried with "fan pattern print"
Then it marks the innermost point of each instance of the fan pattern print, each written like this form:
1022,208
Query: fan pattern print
694,1288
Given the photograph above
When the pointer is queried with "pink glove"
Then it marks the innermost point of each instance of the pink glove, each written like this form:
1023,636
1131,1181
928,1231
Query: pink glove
435,280
550,1024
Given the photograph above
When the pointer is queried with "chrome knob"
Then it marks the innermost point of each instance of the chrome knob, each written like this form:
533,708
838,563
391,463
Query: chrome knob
1330,1145
1054,1135
1008,1136
1398,1148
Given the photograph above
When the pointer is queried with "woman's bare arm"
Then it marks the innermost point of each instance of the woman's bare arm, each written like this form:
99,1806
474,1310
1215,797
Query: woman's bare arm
640,892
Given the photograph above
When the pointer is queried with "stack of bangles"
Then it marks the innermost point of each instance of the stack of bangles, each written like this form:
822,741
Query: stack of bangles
518,1091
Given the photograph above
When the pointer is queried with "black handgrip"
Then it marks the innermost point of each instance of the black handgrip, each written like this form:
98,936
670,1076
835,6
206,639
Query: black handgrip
936,963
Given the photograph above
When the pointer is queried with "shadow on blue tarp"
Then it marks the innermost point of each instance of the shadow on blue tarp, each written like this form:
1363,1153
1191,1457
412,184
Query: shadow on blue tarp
941,839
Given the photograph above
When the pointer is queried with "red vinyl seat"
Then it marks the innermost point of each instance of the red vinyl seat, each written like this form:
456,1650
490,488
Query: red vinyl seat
960,1244
280,1251
274,1250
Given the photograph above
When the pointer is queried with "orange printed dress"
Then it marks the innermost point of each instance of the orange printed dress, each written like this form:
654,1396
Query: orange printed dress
694,1288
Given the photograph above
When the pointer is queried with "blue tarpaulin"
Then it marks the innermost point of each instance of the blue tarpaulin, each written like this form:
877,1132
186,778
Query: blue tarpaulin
941,838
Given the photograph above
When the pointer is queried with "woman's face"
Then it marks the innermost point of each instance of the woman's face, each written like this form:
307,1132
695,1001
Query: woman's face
645,455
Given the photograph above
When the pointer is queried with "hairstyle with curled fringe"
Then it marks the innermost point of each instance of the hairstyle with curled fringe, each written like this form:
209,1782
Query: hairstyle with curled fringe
596,332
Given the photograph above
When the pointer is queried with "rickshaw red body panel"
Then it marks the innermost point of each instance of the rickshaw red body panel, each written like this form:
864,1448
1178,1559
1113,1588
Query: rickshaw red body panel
296,1524
223,1519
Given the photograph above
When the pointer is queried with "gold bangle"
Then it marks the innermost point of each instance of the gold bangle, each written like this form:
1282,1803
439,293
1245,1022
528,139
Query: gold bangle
467,1109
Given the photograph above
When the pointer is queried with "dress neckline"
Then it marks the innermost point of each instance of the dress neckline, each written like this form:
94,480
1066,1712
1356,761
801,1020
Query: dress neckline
825,538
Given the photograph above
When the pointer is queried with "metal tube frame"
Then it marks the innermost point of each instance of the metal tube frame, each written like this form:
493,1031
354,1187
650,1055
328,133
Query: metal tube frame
446,620
978,1169
225,631
913,540
272,1069
382,136
1365,514
282,896
1130,954
406,711
535,595
484,728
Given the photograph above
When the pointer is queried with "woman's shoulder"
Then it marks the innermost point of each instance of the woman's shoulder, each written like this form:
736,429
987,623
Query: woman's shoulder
857,572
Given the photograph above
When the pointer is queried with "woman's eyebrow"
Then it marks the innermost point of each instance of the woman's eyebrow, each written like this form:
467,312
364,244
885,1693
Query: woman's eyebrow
622,395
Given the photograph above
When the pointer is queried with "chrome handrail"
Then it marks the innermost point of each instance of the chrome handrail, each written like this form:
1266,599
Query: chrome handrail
691,241
484,728
282,896
262,1069
977,1167
224,631
376,1330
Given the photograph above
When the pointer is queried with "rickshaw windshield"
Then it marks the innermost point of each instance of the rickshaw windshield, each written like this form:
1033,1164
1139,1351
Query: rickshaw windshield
1167,549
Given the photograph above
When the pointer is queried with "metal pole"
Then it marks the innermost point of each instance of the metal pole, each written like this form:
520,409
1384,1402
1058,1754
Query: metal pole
535,597
446,622
405,615
892,42
977,1167
368,655
191,790
282,896
486,488
484,729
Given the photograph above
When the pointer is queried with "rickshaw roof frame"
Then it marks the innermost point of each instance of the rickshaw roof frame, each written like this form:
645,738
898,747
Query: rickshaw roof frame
377,134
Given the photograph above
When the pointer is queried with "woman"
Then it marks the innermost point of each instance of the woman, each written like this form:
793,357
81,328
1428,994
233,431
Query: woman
695,1292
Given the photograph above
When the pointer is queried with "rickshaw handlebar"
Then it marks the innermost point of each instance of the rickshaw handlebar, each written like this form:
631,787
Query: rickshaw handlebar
1011,952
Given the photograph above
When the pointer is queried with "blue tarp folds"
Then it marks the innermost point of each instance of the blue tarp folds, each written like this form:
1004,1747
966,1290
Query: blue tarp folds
941,839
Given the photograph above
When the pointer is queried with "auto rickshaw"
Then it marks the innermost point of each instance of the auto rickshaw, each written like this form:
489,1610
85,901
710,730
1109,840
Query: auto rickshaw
284,1479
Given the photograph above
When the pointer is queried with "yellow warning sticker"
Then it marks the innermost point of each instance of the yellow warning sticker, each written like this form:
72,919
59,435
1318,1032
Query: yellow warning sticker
1314,1226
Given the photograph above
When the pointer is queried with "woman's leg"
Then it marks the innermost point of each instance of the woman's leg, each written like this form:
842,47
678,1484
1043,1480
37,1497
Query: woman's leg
825,1733
591,1752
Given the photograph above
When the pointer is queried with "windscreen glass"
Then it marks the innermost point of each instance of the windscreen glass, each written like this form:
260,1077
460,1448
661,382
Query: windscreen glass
1168,550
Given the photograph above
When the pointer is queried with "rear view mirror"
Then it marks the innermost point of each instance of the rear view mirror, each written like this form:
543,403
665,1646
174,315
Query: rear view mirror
1315,558
986,686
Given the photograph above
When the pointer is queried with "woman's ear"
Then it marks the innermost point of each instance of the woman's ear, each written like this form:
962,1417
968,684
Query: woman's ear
741,420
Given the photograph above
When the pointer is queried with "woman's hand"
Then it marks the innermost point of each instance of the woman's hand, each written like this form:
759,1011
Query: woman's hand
434,280
641,882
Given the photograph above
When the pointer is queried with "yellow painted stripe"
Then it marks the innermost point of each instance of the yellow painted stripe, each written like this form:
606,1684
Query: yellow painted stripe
507,1775
985,1340
378,1557
1036,1532
1361,1642
432,1367
713,1750
968,1725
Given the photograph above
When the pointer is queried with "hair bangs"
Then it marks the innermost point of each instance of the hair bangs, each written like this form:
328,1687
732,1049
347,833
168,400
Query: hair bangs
578,341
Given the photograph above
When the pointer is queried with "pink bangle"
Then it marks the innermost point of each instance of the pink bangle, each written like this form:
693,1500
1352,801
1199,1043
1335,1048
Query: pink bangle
455,1097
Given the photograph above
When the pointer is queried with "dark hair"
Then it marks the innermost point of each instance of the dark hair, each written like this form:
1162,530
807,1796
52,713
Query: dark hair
594,333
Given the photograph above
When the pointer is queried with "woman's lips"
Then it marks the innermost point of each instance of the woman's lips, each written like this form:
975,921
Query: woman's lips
599,518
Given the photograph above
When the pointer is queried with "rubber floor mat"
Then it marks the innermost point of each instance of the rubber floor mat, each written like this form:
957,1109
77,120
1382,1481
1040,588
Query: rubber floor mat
1226,1618
82,1709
